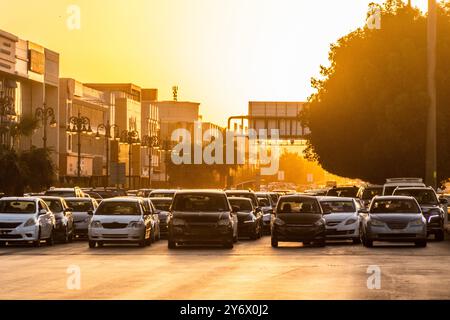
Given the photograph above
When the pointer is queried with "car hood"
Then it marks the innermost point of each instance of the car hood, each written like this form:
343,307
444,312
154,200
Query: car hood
118,219
294,218
201,216
11,217
339,216
391,217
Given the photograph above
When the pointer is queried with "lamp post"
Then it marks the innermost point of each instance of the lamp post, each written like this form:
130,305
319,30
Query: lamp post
107,129
131,138
43,114
7,110
78,125
150,142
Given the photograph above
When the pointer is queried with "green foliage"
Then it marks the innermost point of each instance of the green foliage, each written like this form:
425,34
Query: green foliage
368,114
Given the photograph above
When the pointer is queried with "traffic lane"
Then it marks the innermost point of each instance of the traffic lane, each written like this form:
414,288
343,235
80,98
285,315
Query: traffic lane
253,270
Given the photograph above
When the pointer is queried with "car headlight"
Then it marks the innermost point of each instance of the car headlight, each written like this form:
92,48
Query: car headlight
416,223
96,224
136,224
279,222
31,222
350,221
224,222
319,223
178,222
377,223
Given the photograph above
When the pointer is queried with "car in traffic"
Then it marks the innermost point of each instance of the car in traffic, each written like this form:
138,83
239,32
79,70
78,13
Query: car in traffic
250,222
368,192
162,193
393,219
244,194
74,192
120,220
64,222
199,217
341,217
267,206
154,218
393,183
432,208
162,206
82,209
343,191
25,220
298,218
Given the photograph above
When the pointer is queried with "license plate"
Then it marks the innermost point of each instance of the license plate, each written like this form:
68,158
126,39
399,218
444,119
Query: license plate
4,232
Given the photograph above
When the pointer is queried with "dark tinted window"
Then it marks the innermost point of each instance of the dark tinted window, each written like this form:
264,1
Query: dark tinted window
298,205
338,206
394,206
370,193
124,208
247,195
200,202
423,196
80,205
62,194
54,205
244,205
162,205
12,206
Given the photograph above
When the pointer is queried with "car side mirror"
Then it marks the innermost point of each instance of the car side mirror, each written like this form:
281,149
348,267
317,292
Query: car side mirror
42,212
443,201
90,212
326,212
235,209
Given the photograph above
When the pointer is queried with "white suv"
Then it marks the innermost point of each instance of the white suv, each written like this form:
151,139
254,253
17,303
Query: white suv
25,220
394,183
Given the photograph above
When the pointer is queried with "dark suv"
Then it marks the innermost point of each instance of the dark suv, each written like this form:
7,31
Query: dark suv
432,208
202,217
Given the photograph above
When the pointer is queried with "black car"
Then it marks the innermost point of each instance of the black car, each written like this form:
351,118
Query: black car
162,206
244,194
298,218
250,222
202,217
64,225
432,208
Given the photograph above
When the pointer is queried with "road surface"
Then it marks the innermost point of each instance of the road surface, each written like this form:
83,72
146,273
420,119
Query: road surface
252,270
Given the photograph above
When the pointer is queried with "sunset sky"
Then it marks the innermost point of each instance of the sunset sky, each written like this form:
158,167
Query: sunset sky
221,53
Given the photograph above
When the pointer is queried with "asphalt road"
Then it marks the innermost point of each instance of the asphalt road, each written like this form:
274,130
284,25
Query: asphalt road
252,270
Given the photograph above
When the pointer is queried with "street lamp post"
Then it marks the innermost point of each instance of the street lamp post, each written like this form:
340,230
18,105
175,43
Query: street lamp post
150,142
131,138
107,129
43,114
78,125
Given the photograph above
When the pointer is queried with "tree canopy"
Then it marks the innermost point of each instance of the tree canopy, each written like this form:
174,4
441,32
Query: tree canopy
369,110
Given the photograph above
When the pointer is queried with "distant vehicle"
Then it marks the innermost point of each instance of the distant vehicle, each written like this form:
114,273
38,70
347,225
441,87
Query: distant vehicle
107,193
64,222
317,192
244,194
343,191
341,217
267,207
162,206
94,195
145,193
367,193
82,209
154,217
161,193
202,217
25,220
393,183
65,192
120,220
393,219
274,197
284,192
298,219
432,208
250,222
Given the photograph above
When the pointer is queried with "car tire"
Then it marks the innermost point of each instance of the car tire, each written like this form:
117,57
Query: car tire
356,241
37,243
100,244
368,243
439,235
50,241
66,236
274,242
421,244
171,244
152,236
229,244
92,244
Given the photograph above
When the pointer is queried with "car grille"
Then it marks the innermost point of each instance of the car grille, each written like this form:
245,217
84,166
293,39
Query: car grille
333,223
9,225
114,225
115,236
397,225
396,236
338,233
10,236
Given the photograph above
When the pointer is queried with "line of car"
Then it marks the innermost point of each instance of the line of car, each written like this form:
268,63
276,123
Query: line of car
410,214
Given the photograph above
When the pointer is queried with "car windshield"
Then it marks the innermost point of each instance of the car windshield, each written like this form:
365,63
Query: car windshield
274,198
80,205
162,205
338,206
60,193
423,196
118,208
244,195
394,206
349,192
200,203
370,193
298,205
54,205
19,206
243,204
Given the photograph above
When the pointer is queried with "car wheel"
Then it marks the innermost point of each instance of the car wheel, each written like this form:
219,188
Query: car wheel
50,241
274,242
148,242
100,244
152,236
368,243
171,244
229,244
320,243
356,240
92,244
440,235
254,236
421,244
3,244
66,236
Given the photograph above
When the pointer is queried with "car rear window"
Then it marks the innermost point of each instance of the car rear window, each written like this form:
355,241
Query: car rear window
162,205
200,203
338,206
21,207
243,204
80,205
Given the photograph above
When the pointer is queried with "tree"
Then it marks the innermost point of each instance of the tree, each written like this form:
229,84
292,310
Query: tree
368,113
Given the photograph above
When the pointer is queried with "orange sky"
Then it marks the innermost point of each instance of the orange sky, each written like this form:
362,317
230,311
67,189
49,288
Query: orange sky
221,53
